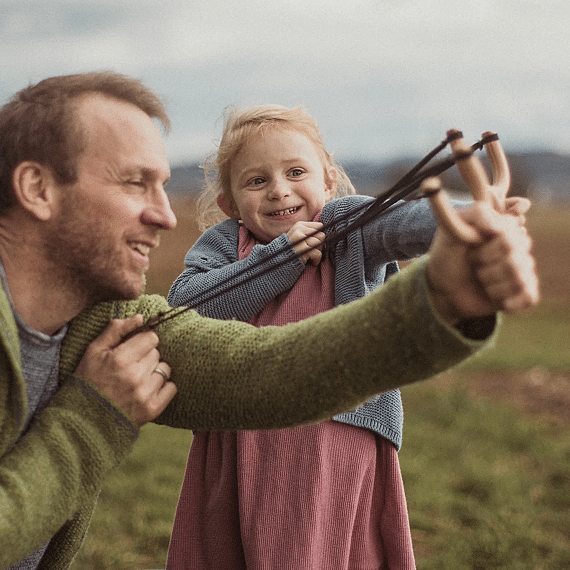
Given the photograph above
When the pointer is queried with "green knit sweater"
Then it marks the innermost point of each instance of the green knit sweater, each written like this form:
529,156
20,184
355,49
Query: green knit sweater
230,375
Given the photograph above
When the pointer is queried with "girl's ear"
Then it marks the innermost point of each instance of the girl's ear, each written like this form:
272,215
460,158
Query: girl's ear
227,206
35,189
331,182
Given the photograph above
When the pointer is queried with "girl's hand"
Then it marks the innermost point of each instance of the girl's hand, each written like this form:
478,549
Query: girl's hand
306,242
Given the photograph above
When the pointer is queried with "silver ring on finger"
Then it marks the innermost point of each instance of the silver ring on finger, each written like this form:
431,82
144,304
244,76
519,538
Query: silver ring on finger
162,373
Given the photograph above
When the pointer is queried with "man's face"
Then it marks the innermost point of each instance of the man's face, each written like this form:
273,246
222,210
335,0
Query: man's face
110,218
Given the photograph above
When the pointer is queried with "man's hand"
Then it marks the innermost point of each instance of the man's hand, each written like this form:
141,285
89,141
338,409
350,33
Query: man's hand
127,373
299,232
499,274
518,206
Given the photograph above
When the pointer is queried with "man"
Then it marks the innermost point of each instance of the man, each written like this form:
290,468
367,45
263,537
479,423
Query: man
82,201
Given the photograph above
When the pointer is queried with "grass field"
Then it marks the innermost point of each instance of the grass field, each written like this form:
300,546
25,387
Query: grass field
486,454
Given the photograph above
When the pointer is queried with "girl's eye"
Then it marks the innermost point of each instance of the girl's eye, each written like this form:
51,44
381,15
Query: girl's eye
257,181
296,172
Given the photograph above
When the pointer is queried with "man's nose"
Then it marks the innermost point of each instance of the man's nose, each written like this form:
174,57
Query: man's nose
159,212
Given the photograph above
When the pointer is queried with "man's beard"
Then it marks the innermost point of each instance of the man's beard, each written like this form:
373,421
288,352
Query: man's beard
85,258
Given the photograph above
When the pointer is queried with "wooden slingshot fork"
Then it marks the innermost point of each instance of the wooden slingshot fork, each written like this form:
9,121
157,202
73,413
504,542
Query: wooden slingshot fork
473,173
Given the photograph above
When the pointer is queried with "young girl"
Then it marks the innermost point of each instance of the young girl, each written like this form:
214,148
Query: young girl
320,496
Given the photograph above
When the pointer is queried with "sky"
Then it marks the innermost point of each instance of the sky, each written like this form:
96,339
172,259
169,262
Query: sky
383,79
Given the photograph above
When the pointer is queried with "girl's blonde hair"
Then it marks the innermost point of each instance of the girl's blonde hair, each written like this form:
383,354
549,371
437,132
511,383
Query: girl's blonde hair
240,125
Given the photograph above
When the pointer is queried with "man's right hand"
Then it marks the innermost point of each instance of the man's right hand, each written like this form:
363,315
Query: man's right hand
474,280
126,372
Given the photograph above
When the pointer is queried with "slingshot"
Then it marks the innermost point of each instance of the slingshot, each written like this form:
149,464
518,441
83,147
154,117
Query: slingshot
475,176
420,182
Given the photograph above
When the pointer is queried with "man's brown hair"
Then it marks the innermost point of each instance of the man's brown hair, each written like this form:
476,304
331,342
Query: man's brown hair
39,123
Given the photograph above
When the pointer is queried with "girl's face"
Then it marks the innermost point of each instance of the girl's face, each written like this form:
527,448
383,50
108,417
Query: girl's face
278,179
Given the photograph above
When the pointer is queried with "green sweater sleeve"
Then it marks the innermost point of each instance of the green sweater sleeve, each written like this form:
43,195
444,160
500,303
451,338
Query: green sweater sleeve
231,375
54,472
234,376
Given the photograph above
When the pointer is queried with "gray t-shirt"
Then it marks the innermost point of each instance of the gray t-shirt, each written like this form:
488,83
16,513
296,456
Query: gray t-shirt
40,365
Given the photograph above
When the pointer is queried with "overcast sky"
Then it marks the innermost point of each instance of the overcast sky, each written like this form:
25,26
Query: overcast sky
382,78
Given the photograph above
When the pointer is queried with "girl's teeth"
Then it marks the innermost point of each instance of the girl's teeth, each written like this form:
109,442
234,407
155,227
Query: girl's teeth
285,212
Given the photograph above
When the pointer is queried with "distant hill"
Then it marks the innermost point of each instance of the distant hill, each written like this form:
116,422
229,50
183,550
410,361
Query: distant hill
186,178
542,176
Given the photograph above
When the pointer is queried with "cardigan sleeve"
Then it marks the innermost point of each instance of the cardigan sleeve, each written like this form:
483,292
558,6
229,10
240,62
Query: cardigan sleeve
212,263
402,232
231,375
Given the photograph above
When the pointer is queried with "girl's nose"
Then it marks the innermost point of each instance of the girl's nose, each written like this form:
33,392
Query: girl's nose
278,189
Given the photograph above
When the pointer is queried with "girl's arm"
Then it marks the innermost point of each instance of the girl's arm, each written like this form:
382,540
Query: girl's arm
402,232
407,230
213,261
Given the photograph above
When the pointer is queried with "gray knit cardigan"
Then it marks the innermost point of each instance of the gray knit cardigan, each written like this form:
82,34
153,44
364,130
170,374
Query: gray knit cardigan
363,260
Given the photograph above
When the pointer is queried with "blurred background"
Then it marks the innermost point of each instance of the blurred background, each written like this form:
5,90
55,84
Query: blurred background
486,452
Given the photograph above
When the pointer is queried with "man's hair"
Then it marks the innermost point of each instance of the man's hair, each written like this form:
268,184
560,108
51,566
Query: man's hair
240,125
39,123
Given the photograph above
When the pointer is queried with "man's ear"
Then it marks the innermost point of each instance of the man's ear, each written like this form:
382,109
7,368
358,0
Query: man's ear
331,181
34,187
228,207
